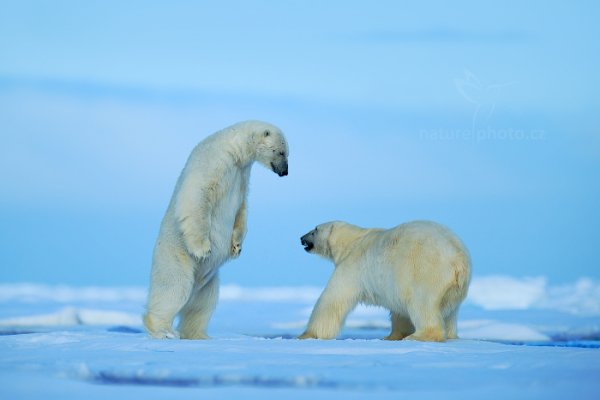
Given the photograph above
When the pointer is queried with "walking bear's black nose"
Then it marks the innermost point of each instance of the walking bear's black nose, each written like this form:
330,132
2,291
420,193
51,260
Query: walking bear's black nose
307,242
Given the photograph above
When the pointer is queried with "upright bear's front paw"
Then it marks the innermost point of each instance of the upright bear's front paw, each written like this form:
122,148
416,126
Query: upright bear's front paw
202,250
236,249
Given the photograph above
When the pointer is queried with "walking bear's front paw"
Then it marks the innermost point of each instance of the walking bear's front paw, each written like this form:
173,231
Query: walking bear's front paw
308,335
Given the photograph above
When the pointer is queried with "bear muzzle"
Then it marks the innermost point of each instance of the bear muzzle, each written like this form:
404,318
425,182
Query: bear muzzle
307,242
280,169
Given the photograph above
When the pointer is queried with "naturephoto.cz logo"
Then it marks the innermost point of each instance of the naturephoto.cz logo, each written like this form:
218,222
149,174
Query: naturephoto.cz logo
483,98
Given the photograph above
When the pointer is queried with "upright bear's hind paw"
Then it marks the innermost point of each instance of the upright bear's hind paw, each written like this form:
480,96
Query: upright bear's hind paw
164,334
159,328
195,336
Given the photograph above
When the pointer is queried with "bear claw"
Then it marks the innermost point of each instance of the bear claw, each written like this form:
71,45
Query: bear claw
236,249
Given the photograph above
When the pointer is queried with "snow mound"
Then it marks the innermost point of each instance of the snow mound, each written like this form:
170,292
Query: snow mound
70,316
34,293
509,293
501,331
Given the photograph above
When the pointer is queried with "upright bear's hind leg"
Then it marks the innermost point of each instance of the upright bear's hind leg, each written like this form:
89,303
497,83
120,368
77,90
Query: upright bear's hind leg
196,313
166,297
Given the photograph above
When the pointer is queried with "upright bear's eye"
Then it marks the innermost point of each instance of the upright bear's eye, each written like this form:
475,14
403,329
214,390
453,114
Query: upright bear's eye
281,153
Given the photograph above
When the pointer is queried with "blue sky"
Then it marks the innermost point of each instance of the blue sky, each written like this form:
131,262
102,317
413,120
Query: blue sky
481,116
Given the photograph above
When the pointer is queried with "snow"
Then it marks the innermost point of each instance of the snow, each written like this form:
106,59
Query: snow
504,292
520,338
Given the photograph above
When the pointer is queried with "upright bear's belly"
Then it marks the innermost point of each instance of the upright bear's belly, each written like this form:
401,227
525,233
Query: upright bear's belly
223,217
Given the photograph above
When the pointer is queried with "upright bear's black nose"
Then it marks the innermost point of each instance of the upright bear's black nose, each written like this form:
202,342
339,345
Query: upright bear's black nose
284,169
281,169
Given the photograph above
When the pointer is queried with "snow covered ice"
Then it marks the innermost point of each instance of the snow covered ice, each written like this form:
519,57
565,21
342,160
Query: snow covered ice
520,338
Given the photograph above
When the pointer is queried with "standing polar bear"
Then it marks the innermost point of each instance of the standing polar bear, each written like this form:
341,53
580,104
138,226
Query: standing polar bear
420,271
205,224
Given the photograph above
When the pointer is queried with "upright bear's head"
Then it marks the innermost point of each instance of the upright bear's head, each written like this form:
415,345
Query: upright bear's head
271,147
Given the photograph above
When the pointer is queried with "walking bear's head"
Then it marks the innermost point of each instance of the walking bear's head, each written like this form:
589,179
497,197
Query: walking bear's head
332,240
317,240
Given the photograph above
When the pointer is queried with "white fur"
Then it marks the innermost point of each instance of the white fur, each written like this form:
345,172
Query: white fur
205,225
420,271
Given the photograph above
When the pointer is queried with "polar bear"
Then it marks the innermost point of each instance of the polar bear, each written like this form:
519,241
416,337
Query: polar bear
205,225
420,271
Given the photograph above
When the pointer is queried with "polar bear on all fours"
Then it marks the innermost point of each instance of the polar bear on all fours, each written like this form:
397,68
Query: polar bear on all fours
420,271
205,225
